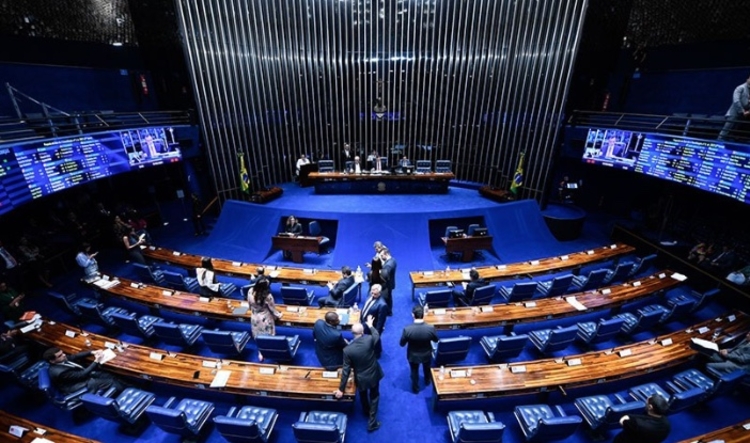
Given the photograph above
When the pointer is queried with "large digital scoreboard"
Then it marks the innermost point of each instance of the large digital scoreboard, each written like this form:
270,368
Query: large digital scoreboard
31,170
714,166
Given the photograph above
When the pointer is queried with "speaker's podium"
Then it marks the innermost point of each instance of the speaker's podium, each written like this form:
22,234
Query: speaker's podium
296,245
304,172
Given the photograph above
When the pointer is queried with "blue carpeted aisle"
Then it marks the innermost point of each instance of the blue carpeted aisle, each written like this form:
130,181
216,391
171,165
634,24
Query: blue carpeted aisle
243,233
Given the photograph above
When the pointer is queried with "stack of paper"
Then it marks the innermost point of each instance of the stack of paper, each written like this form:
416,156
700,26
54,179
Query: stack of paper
221,378
575,303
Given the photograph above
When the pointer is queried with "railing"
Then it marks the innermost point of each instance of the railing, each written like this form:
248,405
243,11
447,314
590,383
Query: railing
38,126
687,125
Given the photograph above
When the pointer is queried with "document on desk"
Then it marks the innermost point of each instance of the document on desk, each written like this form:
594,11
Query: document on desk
107,355
221,378
106,284
702,345
575,303
274,274
679,277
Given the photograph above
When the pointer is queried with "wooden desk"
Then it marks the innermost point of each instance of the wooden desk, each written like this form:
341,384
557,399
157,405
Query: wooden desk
295,382
575,260
508,315
238,269
384,183
596,367
731,434
296,245
466,245
7,420
156,297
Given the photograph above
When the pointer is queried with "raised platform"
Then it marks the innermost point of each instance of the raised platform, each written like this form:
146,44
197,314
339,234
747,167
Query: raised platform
343,183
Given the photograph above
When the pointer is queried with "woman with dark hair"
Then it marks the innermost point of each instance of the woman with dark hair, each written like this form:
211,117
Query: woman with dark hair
133,242
206,277
264,313
293,226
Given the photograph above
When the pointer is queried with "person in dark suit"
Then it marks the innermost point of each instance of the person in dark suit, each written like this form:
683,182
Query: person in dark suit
373,275
729,360
360,355
336,290
467,296
388,277
347,155
329,343
69,376
293,226
653,427
419,337
376,308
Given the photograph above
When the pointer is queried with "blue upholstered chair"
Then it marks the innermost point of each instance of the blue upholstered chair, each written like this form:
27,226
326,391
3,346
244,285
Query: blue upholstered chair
453,349
471,228
181,282
320,427
351,295
518,292
621,272
435,299
680,399
315,231
424,166
98,312
540,423
602,412
249,424
642,264
29,377
295,295
185,418
278,347
699,297
676,310
503,347
225,342
449,229
474,426
594,280
182,334
484,295
637,322
127,409
553,340
131,324
724,382
556,286
69,302
66,402
442,166
325,165
148,274
595,332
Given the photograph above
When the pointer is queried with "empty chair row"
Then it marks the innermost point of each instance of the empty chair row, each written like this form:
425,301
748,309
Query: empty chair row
538,422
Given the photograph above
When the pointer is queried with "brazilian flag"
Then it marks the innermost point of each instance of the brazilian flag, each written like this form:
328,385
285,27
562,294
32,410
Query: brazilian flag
518,176
244,178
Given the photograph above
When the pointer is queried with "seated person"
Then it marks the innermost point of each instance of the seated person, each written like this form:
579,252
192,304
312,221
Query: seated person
11,302
404,163
374,162
466,297
69,376
303,160
336,290
12,345
329,342
206,277
87,260
356,167
740,276
653,427
293,226
723,261
729,360
700,252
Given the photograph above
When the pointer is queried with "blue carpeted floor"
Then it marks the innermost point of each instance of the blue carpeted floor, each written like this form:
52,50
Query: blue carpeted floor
411,227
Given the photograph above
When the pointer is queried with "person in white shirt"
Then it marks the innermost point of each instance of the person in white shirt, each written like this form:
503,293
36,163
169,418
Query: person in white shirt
209,287
86,259
303,160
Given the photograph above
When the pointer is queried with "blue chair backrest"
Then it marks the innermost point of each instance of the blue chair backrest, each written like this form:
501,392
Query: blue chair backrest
686,399
316,433
220,342
607,328
170,420
237,430
509,346
171,333
647,319
452,349
484,295
556,428
314,228
595,279
91,309
350,295
450,229
621,271
470,230
103,406
559,339
424,165
443,166
522,291
481,432
560,285
294,295
30,376
325,165
643,264
680,308
65,303
438,299
275,347
128,323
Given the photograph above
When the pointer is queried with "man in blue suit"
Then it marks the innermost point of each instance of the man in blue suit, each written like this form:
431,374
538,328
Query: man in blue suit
336,290
329,343
376,308
388,277
466,297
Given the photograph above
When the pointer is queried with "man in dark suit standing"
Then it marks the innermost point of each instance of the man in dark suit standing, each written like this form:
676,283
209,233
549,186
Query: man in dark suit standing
360,356
419,337
69,376
465,298
336,290
388,277
329,343
376,308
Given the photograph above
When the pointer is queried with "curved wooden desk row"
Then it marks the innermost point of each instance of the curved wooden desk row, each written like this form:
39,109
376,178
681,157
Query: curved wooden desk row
583,369
548,308
421,279
238,269
137,361
739,433
157,297
35,431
